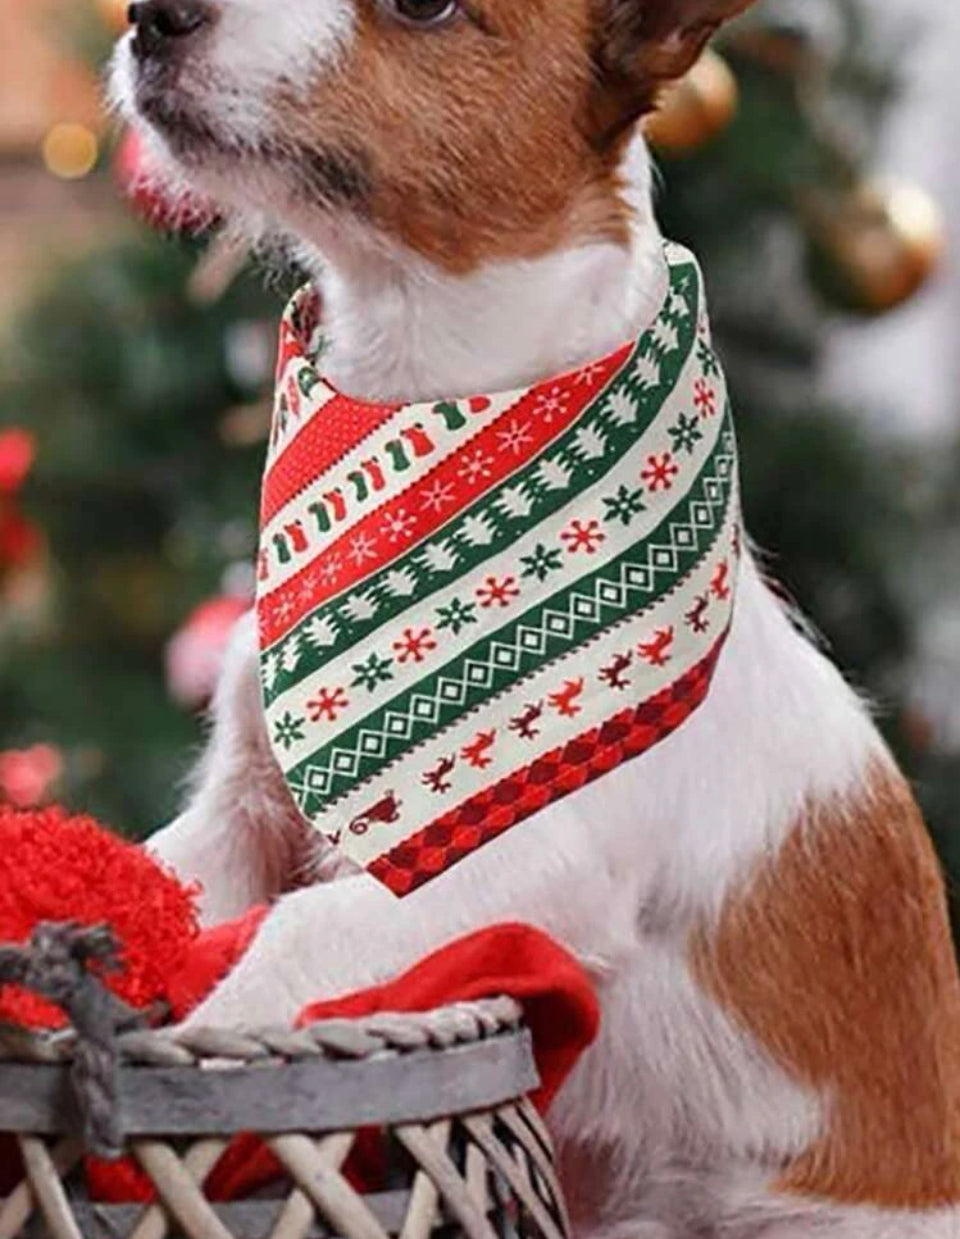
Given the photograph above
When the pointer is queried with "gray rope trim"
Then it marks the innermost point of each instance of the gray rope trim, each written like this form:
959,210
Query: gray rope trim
461,1023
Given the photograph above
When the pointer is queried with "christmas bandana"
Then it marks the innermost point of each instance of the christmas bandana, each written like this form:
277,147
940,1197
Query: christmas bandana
469,608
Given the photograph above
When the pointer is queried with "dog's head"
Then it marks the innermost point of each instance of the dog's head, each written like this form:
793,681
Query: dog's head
465,129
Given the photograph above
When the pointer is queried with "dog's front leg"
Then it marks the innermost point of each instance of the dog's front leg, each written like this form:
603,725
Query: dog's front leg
330,939
241,836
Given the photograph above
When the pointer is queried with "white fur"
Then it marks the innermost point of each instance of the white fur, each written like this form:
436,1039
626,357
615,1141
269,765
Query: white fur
676,1121
256,47
398,326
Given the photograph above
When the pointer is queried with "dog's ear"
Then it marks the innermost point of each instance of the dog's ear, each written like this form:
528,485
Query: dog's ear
642,45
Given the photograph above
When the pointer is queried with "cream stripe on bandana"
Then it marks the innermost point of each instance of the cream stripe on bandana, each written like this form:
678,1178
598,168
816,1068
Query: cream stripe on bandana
471,607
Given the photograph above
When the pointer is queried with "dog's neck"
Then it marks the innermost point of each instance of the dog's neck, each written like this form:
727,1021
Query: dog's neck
398,328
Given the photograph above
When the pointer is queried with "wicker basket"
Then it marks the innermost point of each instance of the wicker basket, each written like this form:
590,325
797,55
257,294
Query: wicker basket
465,1152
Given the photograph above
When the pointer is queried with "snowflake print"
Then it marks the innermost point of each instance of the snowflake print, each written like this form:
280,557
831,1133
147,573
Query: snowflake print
437,496
660,472
705,398
457,616
330,571
372,673
362,548
398,524
552,403
498,593
589,373
583,537
708,360
308,587
541,562
624,505
283,610
476,466
328,705
515,438
288,730
415,645
686,434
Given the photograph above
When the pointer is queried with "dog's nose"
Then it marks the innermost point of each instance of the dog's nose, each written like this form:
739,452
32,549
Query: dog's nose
162,25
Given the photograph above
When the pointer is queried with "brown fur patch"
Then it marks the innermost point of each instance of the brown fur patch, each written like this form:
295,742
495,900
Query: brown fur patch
470,137
497,136
838,959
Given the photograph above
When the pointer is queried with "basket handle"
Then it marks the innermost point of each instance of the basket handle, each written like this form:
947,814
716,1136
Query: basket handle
58,964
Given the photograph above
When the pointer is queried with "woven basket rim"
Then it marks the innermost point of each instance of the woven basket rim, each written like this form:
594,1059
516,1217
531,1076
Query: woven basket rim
357,1038
397,1069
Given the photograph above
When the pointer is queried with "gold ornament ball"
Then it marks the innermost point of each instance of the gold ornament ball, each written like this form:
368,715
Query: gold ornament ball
113,14
70,151
695,109
883,242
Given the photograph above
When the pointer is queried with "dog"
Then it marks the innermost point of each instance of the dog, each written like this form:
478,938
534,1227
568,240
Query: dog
755,896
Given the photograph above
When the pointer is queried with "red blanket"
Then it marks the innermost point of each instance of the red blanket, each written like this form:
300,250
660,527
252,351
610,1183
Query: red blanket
555,992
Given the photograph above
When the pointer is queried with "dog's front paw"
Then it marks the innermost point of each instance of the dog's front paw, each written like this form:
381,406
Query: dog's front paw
251,996
270,982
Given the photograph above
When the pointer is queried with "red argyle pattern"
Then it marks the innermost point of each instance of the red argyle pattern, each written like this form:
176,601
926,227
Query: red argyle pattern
490,813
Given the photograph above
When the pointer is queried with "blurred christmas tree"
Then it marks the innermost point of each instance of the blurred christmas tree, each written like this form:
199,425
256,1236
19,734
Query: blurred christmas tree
143,402
145,396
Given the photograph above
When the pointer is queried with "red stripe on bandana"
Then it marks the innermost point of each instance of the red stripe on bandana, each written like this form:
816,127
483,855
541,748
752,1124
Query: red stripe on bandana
391,530
330,434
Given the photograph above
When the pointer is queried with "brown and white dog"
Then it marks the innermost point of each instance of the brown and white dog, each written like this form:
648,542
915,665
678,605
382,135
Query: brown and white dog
756,898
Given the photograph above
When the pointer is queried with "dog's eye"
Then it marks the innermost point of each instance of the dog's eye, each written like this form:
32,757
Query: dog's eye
423,12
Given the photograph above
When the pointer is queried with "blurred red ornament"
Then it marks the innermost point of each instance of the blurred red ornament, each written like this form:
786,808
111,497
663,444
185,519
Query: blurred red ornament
19,539
195,653
28,776
142,182
16,458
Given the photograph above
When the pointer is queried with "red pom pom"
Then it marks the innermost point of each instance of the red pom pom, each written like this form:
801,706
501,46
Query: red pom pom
59,868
